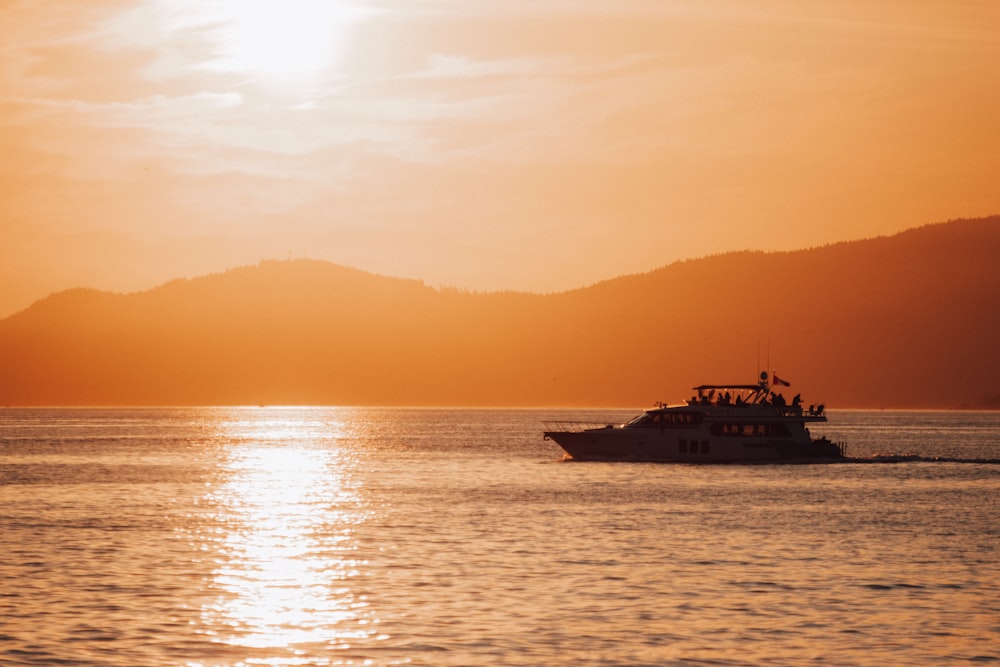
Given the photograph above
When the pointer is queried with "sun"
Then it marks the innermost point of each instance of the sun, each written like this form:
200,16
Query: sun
280,39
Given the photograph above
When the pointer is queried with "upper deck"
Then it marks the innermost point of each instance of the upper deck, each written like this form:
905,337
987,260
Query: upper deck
761,393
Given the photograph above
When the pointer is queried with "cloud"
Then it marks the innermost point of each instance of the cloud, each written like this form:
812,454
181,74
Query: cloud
141,112
457,66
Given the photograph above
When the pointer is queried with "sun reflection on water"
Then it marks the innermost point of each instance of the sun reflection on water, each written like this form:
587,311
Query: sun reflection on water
287,547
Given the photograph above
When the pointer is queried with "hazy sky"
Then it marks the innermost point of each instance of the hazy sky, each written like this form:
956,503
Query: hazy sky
484,144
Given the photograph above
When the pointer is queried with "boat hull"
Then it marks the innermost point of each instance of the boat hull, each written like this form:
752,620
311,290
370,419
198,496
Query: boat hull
624,444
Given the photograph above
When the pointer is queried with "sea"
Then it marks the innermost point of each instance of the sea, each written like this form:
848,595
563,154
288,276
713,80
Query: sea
201,537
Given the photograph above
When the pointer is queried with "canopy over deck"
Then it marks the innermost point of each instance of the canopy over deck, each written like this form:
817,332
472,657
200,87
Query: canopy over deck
730,387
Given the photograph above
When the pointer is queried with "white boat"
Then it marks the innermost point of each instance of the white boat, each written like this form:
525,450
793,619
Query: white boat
719,424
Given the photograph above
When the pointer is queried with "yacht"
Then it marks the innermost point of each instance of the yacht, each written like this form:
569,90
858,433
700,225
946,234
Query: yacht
719,424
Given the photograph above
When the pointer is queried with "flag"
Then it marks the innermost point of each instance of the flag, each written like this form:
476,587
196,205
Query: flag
781,383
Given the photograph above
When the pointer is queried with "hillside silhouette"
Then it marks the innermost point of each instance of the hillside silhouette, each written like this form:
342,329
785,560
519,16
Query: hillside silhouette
904,321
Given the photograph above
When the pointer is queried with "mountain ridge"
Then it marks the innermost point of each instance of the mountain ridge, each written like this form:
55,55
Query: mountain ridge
860,322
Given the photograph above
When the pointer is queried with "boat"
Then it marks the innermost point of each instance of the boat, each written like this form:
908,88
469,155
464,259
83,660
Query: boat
720,423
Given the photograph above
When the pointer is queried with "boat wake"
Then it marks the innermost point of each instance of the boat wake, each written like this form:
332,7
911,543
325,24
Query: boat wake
875,458
914,458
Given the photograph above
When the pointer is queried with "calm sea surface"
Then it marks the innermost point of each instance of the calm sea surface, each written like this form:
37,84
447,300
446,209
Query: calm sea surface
329,536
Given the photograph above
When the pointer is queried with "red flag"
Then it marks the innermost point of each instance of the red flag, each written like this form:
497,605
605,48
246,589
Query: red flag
780,382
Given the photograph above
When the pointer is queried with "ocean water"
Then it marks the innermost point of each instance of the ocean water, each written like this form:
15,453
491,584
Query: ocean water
349,536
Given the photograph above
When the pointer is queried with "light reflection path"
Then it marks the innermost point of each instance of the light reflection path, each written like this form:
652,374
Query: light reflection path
285,553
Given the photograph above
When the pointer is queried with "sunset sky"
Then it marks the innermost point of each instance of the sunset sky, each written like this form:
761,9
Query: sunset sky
481,144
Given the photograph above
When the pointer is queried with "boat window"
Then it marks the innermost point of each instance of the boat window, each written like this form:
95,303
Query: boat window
682,418
667,418
751,430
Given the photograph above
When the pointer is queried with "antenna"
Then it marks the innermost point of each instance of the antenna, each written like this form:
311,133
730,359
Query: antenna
762,378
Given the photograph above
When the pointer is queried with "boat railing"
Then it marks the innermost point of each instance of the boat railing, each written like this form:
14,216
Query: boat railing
799,411
568,426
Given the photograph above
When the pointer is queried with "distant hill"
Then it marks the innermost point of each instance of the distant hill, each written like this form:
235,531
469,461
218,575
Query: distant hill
910,320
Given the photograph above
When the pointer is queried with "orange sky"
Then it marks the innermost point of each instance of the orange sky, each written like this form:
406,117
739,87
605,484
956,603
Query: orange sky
487,145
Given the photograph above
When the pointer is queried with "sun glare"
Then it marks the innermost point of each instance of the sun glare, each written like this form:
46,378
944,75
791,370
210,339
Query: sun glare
281,39
285,552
